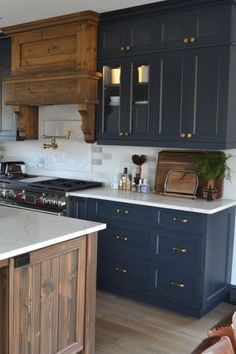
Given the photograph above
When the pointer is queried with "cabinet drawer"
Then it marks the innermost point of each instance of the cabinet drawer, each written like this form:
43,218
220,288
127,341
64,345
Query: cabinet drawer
178,284
181,220
140,241
105,210
126,272
180,248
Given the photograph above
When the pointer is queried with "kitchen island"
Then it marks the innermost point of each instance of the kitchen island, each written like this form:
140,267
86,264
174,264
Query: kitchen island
48,283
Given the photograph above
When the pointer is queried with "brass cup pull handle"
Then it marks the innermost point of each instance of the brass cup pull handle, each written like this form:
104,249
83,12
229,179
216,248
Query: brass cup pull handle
177,285
192,39
122,48
181,220
123,238
186,40
128,48
179,250
189,136
182,135
121,270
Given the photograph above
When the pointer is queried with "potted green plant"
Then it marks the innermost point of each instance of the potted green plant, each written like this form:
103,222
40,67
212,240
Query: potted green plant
210,167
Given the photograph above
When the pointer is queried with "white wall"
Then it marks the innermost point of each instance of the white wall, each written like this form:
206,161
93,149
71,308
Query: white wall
74,158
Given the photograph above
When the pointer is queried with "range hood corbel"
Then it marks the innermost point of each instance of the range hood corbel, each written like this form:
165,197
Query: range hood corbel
53,63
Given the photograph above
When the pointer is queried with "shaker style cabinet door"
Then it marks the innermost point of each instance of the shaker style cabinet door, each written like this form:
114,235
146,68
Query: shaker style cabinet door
5,57
192,98
187,29
127,38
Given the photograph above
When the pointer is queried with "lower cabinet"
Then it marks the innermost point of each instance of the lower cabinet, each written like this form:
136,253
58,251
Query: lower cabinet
175,259
47,299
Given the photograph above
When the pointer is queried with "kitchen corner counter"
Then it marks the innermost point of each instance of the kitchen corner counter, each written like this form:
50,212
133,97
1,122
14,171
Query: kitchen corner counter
154,200
23,231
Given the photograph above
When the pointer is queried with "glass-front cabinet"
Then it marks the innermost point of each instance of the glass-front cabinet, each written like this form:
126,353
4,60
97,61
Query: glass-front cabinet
124,110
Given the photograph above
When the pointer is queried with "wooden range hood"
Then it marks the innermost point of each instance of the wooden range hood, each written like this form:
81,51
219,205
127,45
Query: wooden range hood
54,62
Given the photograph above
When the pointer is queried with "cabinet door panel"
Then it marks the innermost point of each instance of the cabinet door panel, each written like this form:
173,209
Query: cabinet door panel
209,25
178,284
120,212
175,28
49,300
128,38
5,57
129,240
170,91
181,220
126,272
210,95
180,248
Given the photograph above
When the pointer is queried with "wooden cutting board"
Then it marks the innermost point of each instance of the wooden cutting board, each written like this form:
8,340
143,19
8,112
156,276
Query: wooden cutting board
179,160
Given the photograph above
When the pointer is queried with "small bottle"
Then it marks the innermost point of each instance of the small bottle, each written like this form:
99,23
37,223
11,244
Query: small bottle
124,178
139,185
115,184
133,187
145,186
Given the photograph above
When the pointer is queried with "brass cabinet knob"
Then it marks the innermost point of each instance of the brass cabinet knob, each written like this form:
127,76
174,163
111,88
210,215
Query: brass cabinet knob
182,135
118,210
121,134
128,48
189,136
186,40
126,133
126,211
122,48
192,39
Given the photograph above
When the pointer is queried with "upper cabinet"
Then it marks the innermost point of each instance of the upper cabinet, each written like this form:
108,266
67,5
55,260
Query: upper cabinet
187,99
7,116
195,27
133,37
5,57
206,26
125,109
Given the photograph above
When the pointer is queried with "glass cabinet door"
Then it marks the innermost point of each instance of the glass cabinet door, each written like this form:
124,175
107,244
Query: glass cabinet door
111,99
140,98
125,100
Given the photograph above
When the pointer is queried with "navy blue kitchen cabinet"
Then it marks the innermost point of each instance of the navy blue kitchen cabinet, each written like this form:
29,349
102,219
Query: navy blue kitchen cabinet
5,56
133,37
176,259
127,119
163,26
187,99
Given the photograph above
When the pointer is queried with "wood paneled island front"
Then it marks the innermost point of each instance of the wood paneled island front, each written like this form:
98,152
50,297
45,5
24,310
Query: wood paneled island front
47,283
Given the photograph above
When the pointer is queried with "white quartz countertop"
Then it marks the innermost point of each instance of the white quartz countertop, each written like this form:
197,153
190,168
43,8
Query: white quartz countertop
154,200
23,231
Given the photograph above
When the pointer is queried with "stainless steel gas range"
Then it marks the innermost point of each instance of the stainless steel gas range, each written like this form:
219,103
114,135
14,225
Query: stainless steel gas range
45,194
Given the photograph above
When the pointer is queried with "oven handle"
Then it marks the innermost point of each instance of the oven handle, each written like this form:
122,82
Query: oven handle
33,209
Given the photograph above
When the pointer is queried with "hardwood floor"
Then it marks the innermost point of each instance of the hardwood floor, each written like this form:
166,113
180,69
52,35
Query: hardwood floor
128,327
